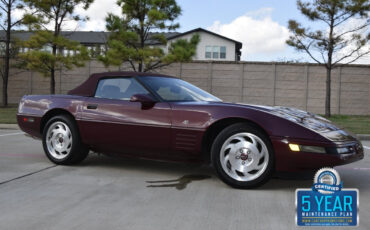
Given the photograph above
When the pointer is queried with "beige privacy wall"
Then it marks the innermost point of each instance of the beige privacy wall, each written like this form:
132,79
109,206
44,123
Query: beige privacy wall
296,85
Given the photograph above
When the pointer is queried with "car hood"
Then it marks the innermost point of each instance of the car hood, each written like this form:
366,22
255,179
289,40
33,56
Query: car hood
308,120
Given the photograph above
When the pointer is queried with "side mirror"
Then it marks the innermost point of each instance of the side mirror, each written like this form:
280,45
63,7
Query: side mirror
146,100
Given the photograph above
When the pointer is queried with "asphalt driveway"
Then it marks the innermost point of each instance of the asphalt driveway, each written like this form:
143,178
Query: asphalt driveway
109,193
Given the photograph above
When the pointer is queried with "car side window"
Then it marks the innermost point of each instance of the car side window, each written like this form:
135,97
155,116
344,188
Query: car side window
174,93
119,88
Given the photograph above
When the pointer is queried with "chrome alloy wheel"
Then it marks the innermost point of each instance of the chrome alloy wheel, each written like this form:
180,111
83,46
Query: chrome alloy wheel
59,140
244,157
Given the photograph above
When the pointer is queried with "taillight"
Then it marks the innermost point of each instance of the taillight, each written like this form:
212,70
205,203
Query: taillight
28,119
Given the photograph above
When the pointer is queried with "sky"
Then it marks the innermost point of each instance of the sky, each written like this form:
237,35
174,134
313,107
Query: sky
261,25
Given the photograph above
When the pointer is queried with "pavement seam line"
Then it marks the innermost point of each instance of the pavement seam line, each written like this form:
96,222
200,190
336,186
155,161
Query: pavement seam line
11,134
28,174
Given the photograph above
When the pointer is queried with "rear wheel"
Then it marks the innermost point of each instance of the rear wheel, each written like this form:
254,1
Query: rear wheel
242,156
61,141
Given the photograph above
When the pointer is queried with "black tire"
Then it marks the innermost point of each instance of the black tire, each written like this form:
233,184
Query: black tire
78,151
222,137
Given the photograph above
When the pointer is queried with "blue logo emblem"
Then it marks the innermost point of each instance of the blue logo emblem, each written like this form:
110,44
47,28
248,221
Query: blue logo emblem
327,203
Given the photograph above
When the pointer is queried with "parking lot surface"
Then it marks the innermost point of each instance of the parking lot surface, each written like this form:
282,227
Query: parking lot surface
111,193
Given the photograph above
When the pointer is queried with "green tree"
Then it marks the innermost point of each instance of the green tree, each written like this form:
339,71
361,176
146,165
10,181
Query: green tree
47,48
8,23
337,41
132,41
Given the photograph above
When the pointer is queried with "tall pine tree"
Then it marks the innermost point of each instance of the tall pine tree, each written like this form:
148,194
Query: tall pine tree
133,42
8,23
334,43
46,46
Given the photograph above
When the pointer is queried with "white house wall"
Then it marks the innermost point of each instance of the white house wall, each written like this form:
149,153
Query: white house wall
207,39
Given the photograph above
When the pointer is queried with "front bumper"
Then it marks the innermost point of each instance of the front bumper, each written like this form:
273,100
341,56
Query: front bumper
287,160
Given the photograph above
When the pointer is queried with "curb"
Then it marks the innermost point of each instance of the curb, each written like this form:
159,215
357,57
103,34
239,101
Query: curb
9,126
363,137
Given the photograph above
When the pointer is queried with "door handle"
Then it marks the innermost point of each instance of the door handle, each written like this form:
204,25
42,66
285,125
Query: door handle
91,106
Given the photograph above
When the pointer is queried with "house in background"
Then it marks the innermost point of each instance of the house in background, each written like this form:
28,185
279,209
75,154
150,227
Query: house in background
212,46
94,41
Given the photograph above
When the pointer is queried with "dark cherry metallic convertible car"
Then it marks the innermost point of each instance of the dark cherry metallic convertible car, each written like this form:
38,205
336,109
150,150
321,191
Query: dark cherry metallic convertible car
164,118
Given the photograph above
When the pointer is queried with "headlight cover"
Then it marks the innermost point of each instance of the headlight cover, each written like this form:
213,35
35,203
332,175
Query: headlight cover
312,149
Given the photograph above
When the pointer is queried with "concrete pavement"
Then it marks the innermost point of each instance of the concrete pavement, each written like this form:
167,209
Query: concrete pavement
110,193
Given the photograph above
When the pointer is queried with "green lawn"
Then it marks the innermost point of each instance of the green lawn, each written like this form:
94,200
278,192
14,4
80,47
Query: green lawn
355,124
8,115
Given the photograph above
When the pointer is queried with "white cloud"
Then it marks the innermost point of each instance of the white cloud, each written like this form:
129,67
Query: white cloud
352,24
18,14
257,31
97,13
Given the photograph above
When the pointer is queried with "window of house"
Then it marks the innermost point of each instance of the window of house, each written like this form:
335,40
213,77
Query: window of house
216,52
91,51
94,51
24,50
223,52
208,51
67,52
2,48
97,50
119,88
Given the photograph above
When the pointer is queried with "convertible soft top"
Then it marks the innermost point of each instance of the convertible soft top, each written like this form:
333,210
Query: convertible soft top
87,88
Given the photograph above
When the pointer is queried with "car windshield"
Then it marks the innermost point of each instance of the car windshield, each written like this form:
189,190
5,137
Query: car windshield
174,89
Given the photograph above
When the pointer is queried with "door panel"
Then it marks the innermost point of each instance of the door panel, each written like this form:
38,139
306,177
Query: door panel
116,126
113,124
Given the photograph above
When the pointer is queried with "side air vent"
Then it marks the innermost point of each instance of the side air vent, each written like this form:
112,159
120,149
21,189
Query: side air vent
185,142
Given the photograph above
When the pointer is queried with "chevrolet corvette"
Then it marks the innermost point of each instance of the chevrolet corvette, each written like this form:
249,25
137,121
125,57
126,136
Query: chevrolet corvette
159,117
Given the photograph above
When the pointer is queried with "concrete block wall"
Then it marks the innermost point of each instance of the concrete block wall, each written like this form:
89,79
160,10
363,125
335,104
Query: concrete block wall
301,86
259,84
295,85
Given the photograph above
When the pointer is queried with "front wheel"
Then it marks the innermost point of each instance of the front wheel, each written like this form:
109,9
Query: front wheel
243,156
61,141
